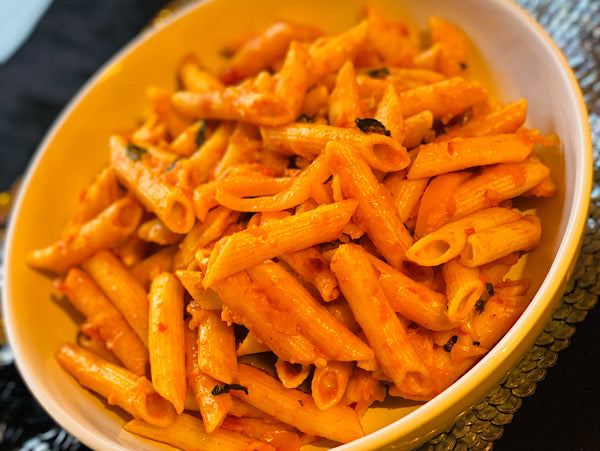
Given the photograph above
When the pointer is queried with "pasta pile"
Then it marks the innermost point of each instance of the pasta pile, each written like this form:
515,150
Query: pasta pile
327,222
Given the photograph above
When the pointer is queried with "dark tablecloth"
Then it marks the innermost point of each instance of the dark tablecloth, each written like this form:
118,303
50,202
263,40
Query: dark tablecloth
75,37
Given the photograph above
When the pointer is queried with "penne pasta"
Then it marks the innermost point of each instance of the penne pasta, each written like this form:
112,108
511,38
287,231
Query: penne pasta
247,248
117,385
187,432
169,203
323,224
104,320
122,288
375,211
166,339
386,334
339,423
109,228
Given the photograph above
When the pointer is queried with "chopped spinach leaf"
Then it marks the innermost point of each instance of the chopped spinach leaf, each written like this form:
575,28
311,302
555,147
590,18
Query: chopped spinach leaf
370,125
450,344
480,306
135,152
303,118
201,134
381,72
224,388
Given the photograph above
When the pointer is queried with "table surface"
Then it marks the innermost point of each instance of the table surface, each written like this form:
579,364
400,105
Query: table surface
72,40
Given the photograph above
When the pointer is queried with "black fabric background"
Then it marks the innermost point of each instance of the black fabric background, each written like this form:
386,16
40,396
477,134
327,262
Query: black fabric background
73,39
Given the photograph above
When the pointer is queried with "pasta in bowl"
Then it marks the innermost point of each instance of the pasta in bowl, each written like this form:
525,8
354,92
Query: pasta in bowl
317,240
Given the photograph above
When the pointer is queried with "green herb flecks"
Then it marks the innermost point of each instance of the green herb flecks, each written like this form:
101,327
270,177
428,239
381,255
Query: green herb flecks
135,152
370,125
381,72
480,306
450,343
201,134
225,388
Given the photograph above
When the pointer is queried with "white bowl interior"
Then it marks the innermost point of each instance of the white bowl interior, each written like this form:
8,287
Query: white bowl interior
512,51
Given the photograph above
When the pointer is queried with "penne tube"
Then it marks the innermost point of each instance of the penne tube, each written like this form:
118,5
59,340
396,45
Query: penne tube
339,423
462,153
132,251
243,102
162,105
169,203
413,300
343,103
308,140
546,188
194,78
247,248
453,44
208,154
390,39
202,234
329,383
241,147
187,142
435,205
202,299
328,54
418,128
112,226
151,266
118,386
204,197
386,334
299,191
166,339
447,242
390,115
154,230
280,435
122,288
102,192
315,101
407,197
445,360
375,211
251,345
497,242
291,375
250,306
445,99
213,408
312,267
216,347
187,432
363,390
285,293
495,184
464,287
507,119
104,320
495,317
262,51
292,79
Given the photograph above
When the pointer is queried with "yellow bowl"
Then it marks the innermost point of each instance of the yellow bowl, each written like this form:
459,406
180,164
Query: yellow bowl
515,56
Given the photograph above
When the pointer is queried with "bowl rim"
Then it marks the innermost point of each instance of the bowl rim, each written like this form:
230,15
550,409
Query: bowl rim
478,374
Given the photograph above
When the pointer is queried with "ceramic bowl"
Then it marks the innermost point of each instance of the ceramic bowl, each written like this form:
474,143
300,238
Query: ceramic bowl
514,57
